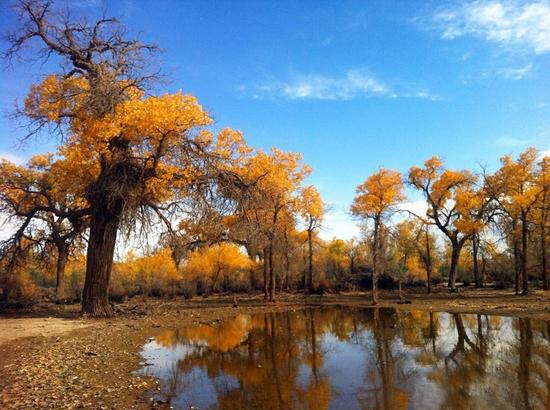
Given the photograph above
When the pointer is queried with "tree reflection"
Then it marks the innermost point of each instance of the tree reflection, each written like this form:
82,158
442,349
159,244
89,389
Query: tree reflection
291,360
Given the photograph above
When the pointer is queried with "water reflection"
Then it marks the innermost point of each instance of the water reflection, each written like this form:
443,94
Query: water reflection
344,358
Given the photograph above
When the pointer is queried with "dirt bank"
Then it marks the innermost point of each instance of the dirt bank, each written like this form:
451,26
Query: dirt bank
51,358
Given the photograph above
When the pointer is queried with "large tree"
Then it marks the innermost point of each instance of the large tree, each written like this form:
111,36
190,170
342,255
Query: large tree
134,153
455,205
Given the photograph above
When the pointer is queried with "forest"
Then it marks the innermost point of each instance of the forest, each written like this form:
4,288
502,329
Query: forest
226,217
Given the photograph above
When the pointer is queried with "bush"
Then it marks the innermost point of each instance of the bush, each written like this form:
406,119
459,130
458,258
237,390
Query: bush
504,279
17,286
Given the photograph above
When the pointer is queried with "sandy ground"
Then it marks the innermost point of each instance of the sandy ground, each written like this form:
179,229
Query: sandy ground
12,329
52,358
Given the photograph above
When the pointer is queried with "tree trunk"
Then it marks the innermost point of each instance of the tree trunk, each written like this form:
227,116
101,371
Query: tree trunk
475,250
400,291
375,246
455,254
524,278
544,266
60,286
287,272
517,267
428,261
271,273
101,248
483,269
310,262
266,262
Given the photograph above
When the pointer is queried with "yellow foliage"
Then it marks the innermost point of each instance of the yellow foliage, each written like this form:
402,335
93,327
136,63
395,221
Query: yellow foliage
379,194
154,273
217,261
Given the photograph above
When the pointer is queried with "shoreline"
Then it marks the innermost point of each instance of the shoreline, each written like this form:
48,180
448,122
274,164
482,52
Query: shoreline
93,363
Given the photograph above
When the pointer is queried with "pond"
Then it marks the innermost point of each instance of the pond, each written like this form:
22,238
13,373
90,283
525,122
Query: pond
351,358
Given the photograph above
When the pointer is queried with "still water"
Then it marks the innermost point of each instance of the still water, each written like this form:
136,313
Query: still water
349,358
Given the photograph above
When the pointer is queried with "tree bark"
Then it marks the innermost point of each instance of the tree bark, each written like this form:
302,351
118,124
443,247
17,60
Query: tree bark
375,246
266,262
400,291
428,261
455,254
271,273
60,285
310,262
287,272
524,278
101,248
544,266
517,263
475,251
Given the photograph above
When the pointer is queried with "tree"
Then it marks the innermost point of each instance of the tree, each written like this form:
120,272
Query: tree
140,152
515,190
376,201
542,215
405,241
273,180
312,209
45,209
454,206
426,247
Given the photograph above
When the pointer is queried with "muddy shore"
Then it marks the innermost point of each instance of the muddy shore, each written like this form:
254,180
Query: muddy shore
52,358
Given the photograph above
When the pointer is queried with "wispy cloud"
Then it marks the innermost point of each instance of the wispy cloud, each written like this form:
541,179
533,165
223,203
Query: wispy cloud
510,142
16,159
545,153
354,84
515,73
506,22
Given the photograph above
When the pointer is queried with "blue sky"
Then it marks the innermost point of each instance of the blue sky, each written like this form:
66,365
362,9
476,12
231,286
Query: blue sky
353,85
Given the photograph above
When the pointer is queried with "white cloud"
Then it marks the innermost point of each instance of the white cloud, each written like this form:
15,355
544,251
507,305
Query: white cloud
545,153
515,73
506,22
418,208
11,157
355,83
339,224
319,87
511,141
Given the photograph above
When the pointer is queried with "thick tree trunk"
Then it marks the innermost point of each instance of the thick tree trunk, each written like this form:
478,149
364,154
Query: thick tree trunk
101,248
60,285
310,262
455,254
524,278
